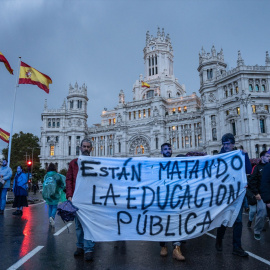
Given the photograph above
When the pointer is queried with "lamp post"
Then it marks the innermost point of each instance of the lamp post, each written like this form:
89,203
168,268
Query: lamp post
246,100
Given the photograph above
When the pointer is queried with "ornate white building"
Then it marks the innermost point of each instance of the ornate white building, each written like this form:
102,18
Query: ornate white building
235,101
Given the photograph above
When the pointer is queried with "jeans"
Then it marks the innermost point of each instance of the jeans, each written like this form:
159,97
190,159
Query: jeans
3,195
52,210
252,211
237,231
245,202
260,217
87,245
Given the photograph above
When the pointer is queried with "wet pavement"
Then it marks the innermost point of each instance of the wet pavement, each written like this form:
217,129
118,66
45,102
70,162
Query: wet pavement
30,238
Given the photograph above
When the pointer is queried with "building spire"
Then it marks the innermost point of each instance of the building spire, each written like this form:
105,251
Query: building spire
240,61
147,37
267,59
213,51
45,105
158,32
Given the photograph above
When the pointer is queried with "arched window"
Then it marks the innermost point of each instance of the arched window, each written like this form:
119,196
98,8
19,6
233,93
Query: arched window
200,140
77,150
264,147
263,88
250,87
262,126
52,150
174,143
214,134
233,129
111,152
150,94
257,88
186,142
119,147
257,150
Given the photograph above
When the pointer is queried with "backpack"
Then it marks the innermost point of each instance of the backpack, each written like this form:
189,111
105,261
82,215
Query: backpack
49,187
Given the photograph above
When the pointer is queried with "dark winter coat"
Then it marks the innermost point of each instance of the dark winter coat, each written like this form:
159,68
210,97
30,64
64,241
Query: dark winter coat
254,181
265,184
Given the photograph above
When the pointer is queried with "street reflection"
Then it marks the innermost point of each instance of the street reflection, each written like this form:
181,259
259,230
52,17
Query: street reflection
27,217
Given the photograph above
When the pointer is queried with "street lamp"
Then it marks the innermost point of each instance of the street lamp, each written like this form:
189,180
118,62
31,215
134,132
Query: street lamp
245,100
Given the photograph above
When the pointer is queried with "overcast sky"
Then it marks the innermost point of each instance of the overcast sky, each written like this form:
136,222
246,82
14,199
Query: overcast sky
100,43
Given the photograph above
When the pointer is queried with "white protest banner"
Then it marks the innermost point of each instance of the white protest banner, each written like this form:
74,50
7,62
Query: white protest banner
158,199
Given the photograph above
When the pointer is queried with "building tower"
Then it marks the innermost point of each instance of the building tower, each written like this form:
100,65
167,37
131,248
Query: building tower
64,128
158,70
211,65
76,118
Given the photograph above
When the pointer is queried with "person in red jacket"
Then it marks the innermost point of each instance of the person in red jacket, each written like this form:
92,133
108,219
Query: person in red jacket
84,247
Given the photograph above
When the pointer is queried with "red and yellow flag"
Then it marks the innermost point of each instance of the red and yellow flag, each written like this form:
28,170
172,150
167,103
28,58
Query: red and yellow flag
5,61
29,75
144,84
4,135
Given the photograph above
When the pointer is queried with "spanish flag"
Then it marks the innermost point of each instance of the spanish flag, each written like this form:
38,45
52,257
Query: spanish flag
5,61
4,135
29,75
144,84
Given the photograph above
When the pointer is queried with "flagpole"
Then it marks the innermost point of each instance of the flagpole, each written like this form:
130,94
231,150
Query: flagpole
11,129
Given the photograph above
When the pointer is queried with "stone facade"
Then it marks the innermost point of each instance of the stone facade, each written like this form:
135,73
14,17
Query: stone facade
235,101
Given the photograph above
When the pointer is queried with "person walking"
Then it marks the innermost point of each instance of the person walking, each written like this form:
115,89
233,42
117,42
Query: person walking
228,143
84,247
254,184
5,175
53,191
20,191
166,151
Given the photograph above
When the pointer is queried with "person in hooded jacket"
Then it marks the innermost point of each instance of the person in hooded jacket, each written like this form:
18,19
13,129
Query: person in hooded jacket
228,143
5,175
58,196
20,191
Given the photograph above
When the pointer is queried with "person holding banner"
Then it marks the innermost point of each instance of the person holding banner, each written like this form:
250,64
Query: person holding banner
5,175
228,143
84,247
166,151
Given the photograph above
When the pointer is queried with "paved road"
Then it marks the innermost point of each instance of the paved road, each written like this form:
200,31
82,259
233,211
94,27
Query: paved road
28,242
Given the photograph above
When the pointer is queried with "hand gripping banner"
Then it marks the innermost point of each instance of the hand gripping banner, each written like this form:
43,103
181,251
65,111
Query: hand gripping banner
158,199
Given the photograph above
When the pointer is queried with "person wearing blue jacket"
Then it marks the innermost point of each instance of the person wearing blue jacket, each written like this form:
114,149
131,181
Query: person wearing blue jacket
228,143
5,174
20,191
